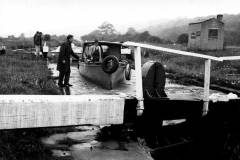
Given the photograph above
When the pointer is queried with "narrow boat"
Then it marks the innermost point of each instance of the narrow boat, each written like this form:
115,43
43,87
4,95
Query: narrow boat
109,72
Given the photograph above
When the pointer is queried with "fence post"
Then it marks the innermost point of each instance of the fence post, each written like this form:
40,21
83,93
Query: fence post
139,88
206,86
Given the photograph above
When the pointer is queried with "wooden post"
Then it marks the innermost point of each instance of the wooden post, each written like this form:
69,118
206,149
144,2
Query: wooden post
206,85
139,88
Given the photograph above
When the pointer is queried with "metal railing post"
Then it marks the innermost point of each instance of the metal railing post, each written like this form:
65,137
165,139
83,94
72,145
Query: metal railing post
139,87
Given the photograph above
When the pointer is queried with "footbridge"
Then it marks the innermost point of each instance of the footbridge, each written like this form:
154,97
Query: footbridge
33,111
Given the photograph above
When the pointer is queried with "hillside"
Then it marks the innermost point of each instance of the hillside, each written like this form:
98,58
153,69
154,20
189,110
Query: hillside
172,29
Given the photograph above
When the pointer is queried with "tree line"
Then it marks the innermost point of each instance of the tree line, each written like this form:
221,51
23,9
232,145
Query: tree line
22,42
107,32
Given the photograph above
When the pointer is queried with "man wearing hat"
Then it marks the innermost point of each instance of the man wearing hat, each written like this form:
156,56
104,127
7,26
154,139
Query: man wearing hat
63,65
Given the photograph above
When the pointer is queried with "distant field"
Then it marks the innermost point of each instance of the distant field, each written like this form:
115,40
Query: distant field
23,73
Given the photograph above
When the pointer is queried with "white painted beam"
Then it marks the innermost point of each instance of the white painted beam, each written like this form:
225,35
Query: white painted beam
207,75
230,58
139,87
172,51
30,111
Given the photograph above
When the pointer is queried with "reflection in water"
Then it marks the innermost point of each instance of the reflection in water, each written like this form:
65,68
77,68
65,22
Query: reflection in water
82,86
92,142
65,91
127,88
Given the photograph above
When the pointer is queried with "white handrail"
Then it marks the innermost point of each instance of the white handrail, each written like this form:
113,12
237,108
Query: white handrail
230,58
134,44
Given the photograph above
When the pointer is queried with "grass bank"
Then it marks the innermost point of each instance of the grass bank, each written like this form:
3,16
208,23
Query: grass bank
23,73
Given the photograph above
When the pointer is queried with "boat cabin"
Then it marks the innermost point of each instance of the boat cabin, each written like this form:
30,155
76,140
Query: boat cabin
107,49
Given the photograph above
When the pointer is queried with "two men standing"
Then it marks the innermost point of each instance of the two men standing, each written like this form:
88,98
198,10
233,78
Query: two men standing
63,65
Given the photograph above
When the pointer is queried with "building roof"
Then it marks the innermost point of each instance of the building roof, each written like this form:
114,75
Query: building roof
204,20
104,43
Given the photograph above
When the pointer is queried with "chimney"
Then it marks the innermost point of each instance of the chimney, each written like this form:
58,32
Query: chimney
219,17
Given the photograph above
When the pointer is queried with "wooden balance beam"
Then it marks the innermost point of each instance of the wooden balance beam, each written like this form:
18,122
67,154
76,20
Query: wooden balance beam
30,111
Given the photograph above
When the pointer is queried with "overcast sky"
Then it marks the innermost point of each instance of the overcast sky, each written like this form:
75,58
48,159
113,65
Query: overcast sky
80,17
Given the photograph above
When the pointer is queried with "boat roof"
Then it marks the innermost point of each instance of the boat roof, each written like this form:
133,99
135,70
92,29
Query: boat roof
104,43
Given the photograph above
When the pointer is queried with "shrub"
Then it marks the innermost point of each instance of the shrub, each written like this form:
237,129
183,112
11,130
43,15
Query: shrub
183,38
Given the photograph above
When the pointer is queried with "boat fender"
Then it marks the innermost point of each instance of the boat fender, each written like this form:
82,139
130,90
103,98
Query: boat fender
128,72
110,64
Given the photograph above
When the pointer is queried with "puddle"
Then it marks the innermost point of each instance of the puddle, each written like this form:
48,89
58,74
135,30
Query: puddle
59,153
87,144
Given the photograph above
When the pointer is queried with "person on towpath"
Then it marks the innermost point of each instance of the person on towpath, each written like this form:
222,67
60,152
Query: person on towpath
37,40
63,65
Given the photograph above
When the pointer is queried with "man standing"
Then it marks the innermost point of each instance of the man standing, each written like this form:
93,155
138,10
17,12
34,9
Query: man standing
96,52
37,40
2,49
41,46
63,65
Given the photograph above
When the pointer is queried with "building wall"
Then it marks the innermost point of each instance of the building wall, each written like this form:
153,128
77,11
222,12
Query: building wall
212,43
194,43
202,41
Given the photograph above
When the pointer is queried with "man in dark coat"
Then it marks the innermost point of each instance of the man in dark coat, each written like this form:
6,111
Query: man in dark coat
41,46
37,40
63,65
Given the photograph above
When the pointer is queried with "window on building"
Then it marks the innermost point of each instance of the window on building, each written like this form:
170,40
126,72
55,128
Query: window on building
198,33
193,35
213,33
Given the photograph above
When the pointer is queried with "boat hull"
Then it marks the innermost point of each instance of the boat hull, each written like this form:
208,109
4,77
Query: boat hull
95,74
